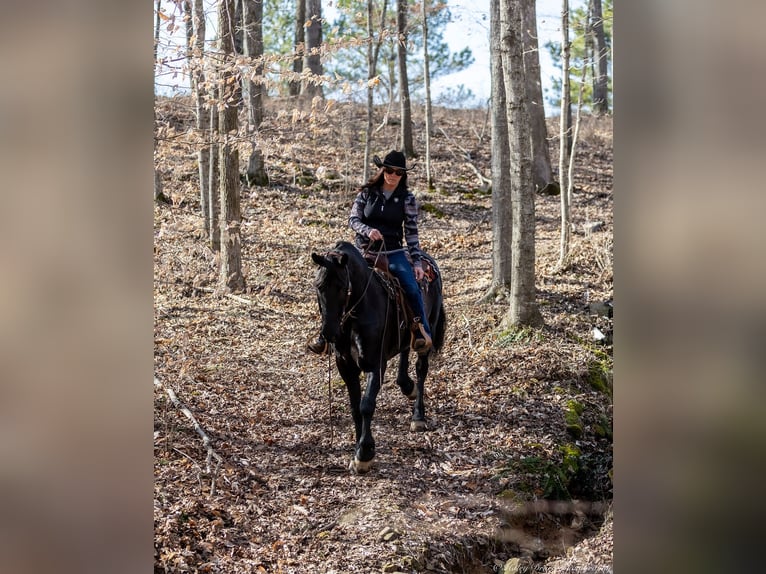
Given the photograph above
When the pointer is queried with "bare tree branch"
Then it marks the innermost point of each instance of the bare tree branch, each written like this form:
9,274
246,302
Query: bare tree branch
211,454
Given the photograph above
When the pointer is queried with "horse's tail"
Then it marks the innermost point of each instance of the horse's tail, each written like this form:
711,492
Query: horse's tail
439,322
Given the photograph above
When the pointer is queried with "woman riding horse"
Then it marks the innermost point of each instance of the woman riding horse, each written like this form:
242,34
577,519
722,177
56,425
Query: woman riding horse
384,214
362,319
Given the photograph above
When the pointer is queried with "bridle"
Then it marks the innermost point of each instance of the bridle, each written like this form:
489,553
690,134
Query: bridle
346,312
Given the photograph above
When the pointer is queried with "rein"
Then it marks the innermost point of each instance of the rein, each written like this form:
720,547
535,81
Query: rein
348,313
329,396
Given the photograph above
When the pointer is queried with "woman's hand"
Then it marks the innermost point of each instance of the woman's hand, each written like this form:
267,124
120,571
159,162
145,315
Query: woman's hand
375,235
419,273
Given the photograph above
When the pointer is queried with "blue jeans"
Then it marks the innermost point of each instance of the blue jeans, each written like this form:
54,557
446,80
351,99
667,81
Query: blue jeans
401,268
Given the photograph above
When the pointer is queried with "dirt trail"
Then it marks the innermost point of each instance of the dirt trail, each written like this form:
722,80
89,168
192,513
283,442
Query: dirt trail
499,406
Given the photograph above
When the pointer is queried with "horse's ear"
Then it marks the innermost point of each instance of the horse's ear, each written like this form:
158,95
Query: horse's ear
318,259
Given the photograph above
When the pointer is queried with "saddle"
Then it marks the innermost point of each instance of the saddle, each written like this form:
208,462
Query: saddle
378,262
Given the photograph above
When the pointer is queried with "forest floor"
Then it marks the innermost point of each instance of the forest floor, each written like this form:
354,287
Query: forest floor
517,458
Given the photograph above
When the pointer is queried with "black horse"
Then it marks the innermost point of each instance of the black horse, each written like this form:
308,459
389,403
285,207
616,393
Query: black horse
366,328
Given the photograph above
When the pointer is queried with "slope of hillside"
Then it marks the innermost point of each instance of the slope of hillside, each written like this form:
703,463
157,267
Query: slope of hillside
517,459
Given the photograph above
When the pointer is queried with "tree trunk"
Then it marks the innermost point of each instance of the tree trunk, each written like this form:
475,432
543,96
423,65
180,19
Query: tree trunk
158,194
253,19
300,45
230,277
157,24
600,80
214,199
373,51
502,223
542,171
313,87
370,76
564,136
202,115
523,309
239,17
427,80
407,146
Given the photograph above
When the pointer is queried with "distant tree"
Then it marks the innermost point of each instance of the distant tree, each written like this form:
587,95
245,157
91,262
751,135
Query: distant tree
502,221
600,55
253,45
427,83
196,30
583,51
213,175
373,51
313,60
349,62
239,38
158,194
299,44
523,309
564,136
542,172
230,276
402,30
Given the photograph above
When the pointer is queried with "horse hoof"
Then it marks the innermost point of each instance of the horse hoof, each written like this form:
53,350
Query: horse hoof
359,467
413,395
418,426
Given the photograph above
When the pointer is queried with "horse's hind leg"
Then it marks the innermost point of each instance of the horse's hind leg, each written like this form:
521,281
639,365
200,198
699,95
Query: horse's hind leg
406,384
418,409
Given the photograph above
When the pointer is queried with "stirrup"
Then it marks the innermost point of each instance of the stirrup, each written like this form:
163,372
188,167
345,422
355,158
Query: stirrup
422,343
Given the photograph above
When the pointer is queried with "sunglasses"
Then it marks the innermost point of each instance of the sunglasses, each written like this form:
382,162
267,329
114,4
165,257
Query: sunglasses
390,170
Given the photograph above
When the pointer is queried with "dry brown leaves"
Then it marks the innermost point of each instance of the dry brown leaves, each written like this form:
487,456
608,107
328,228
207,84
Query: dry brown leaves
437,501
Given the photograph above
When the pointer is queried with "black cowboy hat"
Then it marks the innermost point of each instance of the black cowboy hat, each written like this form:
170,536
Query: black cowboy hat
393,159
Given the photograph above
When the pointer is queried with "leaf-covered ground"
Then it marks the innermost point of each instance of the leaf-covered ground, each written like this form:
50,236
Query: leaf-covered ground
518,456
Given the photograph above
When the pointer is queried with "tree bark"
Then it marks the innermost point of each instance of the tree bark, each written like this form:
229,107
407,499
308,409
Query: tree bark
370,90
542,171
299,44
600,80
407,146
230,277
157,24
564,136
213,175
239,18
253,20
523,309
158,194
201,114
427,80
313,87
373,52
502,222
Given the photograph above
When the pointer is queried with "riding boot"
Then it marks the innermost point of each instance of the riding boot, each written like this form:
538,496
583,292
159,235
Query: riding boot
421,342
319,346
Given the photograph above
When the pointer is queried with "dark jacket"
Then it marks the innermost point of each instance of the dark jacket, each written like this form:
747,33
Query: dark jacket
396,218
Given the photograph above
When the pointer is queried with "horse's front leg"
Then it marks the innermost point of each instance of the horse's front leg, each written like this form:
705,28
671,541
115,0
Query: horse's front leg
418,409
365,448
350,373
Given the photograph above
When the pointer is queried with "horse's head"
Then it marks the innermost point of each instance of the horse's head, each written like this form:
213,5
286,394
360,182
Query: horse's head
333,285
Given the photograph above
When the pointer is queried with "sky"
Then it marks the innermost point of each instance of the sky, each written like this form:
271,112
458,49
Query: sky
470,28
